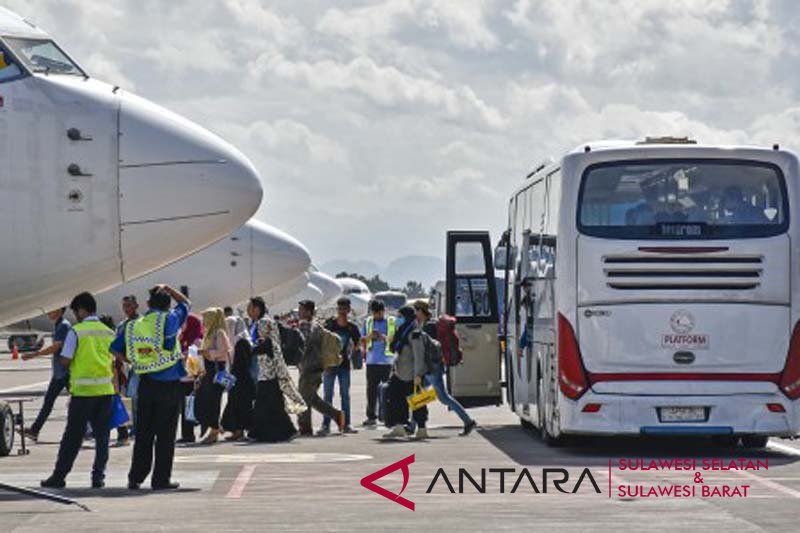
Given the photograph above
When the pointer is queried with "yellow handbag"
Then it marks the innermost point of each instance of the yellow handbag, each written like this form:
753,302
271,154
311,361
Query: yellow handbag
421,397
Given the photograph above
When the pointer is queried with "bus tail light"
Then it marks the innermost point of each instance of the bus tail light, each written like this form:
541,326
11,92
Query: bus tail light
591,408
790,377
775,408
571,375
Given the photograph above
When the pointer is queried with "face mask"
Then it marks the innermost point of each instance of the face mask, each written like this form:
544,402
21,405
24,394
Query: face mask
400,321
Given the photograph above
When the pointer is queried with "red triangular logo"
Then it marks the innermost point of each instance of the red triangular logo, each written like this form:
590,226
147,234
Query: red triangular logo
368,482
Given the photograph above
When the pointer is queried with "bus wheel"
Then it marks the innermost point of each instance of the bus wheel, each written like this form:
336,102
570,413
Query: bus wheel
725,441
544,434
6,430
754,441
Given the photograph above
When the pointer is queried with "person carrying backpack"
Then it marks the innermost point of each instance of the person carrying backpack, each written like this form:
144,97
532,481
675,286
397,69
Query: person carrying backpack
350,337
311,367
408,370
436,368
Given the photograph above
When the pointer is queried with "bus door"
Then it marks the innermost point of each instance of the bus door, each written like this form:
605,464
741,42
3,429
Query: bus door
471,296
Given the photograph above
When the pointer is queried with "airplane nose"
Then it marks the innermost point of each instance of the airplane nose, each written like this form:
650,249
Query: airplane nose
330,288
277,257
181,187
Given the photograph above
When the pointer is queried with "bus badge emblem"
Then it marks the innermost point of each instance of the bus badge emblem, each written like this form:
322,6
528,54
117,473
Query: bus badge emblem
681,321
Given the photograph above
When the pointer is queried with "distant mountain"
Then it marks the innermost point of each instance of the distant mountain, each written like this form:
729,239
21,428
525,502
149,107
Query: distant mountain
423,268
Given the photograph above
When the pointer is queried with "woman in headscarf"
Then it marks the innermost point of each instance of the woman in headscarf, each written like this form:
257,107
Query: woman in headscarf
408,369
191,334
276,395
216,352
238,415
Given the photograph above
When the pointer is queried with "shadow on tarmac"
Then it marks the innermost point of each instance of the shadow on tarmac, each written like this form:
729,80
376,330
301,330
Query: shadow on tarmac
525,448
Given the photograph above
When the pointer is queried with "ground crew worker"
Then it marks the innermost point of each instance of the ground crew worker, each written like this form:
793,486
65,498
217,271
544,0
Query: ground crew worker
377,336
59,379
86,353
150,345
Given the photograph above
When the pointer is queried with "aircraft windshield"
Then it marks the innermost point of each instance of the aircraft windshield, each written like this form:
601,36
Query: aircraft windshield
43,56
683,199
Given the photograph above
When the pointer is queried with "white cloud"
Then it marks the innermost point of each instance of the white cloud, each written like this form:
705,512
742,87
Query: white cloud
384,85
357,113
289,134
464,23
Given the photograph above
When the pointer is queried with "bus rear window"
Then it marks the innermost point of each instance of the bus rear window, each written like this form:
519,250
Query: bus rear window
683,199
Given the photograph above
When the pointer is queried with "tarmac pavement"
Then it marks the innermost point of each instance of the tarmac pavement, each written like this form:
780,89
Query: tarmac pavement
314,484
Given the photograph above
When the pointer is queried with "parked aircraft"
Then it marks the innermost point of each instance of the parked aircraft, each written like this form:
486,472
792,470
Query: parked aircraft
97,185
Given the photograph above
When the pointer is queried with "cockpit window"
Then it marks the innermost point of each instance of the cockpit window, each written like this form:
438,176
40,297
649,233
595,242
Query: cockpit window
43,56
8,69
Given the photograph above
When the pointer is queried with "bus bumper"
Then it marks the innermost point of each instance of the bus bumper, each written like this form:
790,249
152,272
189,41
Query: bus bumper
731,414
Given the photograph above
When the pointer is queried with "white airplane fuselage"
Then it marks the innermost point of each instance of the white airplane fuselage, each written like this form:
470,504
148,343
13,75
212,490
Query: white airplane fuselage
359,295
330,288
252,260
98,186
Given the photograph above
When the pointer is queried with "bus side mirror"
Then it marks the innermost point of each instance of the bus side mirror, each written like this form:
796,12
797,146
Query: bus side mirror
503,259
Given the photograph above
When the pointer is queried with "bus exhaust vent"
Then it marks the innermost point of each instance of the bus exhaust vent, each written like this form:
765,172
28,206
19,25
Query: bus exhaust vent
681,273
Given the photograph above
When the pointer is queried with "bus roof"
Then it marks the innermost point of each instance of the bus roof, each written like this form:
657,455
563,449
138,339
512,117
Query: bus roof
627,149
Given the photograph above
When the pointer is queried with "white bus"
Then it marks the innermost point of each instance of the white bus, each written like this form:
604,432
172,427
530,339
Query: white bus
652,289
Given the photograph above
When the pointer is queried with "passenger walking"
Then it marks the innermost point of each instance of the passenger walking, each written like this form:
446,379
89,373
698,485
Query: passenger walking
86,352
216,351
130,308
276,397
261,327
351,339
120,383
311,369
376,337
435,375
234,325
408,370
59,374
150,345
191,335
238,415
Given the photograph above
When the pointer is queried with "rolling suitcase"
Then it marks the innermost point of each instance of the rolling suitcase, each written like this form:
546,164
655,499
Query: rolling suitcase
383,388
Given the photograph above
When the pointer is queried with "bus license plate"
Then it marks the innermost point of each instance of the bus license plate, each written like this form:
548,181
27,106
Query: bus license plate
682,414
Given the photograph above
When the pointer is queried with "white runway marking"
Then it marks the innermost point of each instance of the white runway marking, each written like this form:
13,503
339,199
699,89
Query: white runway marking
783,448
768,483
237,489
25,387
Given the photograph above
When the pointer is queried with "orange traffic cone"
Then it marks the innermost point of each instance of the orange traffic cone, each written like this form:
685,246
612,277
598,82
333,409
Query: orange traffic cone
15,352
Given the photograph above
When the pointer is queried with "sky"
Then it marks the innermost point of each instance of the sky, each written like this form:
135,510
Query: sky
377,126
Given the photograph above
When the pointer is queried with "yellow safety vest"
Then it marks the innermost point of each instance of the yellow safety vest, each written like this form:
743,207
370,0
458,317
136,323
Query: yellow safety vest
390,331
144,344
91,372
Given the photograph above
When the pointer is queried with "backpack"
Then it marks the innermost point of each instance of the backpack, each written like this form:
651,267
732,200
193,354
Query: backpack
292,344
433,354
450,342
330,348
